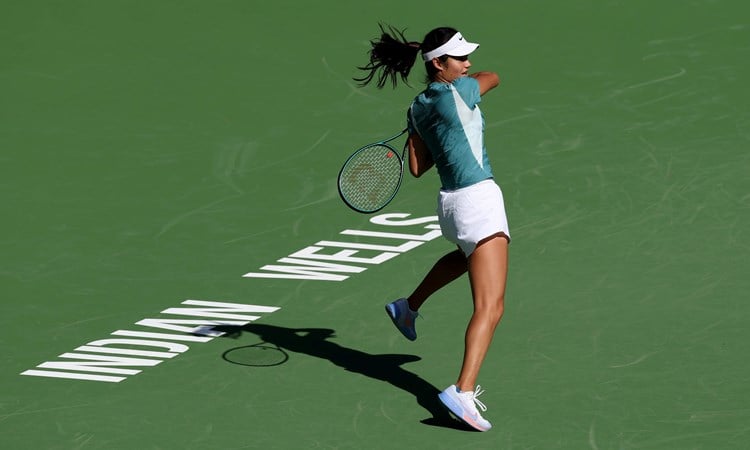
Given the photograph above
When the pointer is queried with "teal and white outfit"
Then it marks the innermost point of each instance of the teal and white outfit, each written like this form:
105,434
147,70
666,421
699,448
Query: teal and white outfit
448,119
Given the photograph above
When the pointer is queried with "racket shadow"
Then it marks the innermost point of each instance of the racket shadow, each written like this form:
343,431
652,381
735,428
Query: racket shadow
387,367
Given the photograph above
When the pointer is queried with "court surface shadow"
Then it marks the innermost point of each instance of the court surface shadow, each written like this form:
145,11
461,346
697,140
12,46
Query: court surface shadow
315,342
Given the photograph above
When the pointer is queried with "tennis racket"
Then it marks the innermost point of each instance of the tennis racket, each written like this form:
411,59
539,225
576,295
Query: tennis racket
371,176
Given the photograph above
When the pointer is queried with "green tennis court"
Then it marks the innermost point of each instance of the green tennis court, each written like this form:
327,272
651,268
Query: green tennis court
168,165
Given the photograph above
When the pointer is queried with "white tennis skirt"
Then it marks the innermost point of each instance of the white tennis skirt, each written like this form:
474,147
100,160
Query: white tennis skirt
471,214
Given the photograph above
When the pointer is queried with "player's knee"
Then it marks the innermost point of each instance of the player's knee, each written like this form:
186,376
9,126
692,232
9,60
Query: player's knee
492,310
497,311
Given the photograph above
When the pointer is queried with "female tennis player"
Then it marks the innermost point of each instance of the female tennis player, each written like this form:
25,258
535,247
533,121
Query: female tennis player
446,130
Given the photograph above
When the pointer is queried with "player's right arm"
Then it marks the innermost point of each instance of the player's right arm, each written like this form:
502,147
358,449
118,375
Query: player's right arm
420,159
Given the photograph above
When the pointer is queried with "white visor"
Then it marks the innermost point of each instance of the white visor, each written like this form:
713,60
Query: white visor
456,46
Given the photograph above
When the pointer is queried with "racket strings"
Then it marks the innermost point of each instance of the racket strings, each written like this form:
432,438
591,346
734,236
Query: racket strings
371,177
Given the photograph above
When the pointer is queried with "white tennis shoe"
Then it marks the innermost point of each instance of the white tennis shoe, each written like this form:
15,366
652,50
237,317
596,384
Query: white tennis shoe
464,406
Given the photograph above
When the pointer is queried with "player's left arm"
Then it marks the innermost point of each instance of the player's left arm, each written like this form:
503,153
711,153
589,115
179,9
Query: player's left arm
487,81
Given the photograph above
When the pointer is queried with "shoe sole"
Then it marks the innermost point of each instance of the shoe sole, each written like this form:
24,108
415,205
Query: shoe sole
458,412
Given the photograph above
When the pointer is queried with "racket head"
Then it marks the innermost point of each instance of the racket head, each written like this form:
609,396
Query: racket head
371,177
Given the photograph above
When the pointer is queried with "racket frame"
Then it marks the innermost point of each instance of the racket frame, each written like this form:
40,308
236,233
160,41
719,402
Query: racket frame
401,158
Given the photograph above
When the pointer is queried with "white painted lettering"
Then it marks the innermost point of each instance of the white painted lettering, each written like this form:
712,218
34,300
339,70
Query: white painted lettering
174,337
342,256
125,351
308,265
171,346
409,245
387,219
202,327
382,234
307,270
101,357
219,310
99,363
72,375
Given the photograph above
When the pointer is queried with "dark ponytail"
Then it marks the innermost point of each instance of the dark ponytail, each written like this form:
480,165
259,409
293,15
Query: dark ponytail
392,56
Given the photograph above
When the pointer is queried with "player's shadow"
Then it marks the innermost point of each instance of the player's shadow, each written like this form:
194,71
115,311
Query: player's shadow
388,367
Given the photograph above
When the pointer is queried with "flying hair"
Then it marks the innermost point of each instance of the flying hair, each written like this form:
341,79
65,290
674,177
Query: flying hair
391,57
